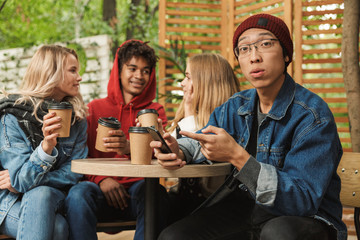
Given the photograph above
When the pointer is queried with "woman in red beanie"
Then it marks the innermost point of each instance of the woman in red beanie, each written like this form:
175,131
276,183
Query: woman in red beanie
282,142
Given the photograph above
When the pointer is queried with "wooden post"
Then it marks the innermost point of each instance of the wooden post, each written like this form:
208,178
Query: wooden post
162,61
350,67
230,27
288,18
298,71
224,29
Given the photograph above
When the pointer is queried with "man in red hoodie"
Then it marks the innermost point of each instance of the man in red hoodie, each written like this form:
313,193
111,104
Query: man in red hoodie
132,87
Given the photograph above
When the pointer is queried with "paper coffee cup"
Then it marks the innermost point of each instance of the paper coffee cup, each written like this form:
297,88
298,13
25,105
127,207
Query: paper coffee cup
63,110
104,126
148,117
140,150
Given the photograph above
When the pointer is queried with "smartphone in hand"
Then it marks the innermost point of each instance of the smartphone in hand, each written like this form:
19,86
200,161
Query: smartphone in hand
155,134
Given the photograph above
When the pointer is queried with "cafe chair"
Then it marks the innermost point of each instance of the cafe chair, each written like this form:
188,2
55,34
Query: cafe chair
349,172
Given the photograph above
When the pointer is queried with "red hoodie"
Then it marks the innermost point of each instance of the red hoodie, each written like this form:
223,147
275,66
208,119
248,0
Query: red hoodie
113,106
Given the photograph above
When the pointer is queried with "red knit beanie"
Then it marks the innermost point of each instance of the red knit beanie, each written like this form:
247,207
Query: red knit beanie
270,23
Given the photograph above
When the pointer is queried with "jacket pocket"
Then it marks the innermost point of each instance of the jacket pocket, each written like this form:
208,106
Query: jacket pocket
277,157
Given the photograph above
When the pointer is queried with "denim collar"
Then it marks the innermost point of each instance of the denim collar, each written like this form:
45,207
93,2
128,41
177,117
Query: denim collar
282,102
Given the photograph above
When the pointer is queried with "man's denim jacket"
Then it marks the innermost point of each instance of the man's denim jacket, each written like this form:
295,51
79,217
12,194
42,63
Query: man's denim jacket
29,168
298,152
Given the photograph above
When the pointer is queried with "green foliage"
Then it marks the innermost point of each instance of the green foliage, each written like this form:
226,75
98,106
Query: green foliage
141,21
177,55
25,23
28,23
81,55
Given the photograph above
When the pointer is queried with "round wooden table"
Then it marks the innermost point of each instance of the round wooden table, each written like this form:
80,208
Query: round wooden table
123,167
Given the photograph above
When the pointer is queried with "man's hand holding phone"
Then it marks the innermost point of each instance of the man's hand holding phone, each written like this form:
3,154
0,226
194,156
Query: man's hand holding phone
171,161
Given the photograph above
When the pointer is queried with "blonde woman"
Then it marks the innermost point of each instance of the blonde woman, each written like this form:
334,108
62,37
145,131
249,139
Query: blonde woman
209,81
35,164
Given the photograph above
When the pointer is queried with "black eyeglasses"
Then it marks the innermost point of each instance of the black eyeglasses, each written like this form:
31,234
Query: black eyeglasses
263,45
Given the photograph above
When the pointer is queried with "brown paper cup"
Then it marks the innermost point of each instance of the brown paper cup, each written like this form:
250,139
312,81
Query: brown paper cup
148,117
63,110
140,150
104,126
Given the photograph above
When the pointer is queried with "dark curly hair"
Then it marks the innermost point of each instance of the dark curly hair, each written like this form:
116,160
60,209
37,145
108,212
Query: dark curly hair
134,48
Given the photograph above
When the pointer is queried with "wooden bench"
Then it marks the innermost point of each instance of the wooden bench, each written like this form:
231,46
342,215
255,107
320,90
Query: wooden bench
108,227
349,172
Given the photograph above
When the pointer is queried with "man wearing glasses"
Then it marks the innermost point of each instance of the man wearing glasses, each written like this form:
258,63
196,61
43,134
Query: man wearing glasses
282,142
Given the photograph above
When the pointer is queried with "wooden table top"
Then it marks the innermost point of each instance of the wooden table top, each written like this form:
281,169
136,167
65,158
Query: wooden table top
123,167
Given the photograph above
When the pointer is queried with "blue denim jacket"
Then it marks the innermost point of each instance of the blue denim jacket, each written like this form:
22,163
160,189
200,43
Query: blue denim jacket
298,152
29,167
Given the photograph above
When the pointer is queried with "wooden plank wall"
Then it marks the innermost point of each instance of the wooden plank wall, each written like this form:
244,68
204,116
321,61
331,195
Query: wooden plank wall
207,25
199,25
318,32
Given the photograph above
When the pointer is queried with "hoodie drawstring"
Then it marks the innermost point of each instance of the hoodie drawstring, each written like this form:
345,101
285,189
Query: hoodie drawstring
120,112
121,108
131,113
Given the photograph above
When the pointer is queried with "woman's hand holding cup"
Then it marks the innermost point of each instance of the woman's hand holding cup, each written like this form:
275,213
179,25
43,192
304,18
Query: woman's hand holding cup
51,122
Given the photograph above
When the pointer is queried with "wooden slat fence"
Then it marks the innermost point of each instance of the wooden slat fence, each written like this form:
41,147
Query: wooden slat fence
199,25
317,65
208,26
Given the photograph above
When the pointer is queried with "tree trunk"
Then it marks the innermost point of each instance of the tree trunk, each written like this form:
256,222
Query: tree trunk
109,15
350,67
109,10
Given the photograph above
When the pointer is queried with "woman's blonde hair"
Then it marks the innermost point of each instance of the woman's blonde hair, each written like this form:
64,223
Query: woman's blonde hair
214,82
44,73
